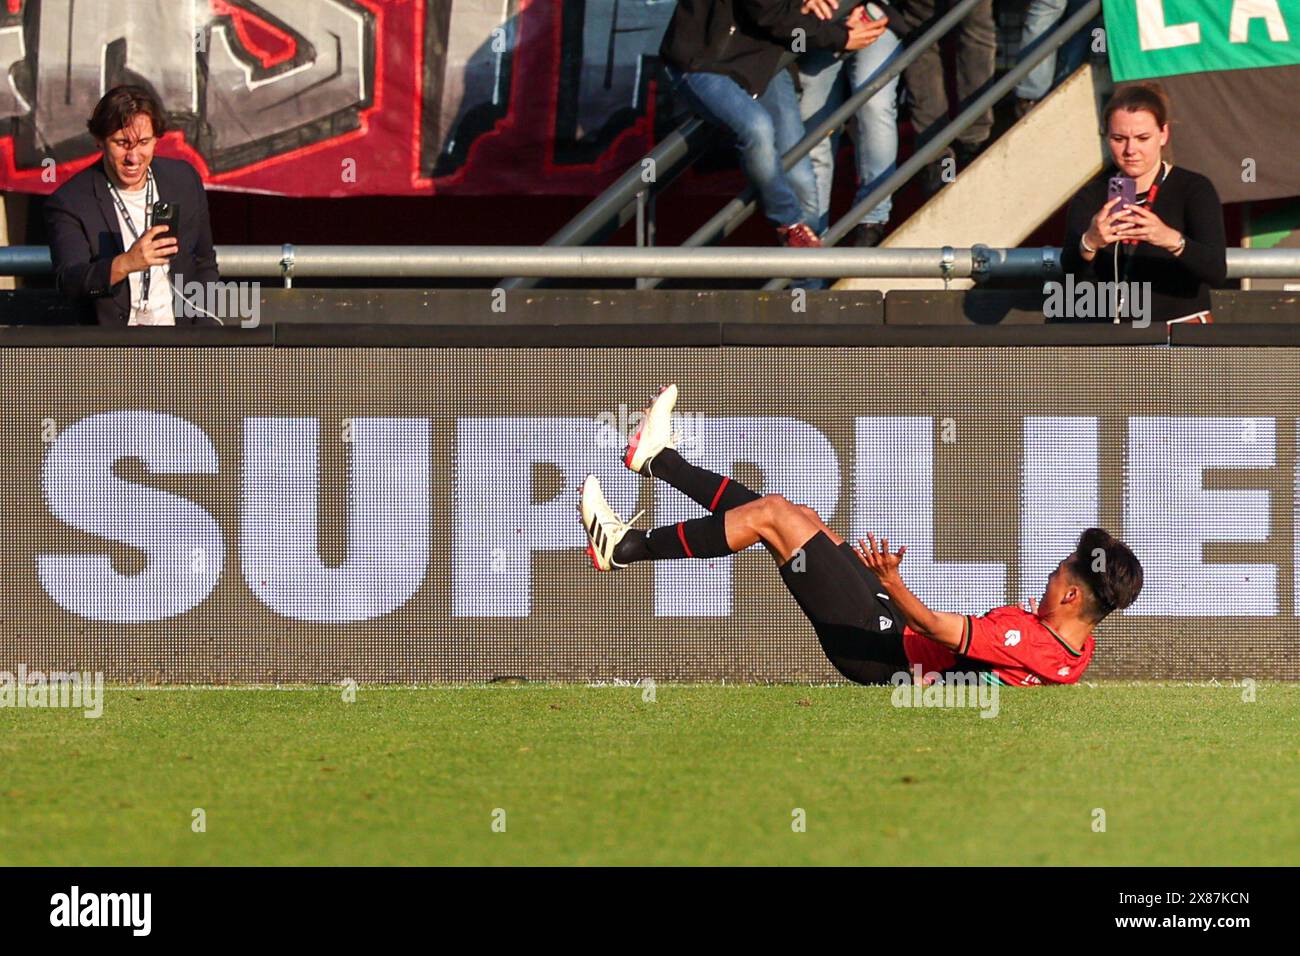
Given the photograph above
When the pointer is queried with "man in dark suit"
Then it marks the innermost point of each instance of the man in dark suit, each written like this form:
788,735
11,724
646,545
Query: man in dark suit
106,249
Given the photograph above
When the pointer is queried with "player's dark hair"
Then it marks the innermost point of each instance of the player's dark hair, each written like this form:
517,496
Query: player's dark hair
119,106
1109,571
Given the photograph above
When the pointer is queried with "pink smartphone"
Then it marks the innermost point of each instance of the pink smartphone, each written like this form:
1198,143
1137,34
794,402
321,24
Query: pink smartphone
1125,187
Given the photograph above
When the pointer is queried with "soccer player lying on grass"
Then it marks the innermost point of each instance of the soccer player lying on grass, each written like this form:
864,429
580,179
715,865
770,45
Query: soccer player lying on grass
855,599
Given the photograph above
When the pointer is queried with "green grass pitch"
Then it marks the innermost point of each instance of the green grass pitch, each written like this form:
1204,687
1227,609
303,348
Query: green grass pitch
703,774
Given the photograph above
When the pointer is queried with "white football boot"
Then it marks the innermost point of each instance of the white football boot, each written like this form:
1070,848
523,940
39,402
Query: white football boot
655,433
605,529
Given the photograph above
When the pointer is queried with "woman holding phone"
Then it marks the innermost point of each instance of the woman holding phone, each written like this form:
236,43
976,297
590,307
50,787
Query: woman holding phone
1159,223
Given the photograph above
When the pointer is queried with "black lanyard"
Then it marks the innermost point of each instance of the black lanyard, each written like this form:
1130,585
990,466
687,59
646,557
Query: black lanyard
130,224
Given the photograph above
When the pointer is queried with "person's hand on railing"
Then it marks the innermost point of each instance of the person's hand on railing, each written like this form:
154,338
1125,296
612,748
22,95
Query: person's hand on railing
863,31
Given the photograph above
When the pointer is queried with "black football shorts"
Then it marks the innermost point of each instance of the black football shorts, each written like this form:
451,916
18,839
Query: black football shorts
860,631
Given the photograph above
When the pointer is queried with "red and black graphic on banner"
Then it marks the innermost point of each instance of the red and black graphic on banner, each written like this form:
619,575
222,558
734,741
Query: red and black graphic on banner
342,97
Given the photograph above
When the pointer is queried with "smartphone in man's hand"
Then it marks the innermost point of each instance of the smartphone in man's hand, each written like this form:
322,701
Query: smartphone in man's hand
166,214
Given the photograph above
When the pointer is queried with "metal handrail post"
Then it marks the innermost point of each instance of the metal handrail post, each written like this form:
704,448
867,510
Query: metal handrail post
669,157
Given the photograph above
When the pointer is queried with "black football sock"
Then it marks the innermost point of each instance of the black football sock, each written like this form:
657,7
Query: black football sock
697,538
632,547
716,492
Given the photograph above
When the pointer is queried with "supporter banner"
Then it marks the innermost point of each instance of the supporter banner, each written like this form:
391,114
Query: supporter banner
1231,69
1149,38
342,97
409,515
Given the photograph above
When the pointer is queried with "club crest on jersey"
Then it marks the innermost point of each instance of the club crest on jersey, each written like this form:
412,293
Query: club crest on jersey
1012,638
885,623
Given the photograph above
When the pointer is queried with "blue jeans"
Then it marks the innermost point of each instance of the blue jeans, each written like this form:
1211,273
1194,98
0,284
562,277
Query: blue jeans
766,128
827,82
1041,16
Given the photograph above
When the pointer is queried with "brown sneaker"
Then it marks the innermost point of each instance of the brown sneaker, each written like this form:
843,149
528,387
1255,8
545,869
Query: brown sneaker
798,236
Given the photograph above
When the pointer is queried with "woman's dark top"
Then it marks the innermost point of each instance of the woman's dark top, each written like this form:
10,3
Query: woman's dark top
1180,285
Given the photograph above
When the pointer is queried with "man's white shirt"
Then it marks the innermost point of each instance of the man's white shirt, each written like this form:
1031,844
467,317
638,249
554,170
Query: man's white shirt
159,310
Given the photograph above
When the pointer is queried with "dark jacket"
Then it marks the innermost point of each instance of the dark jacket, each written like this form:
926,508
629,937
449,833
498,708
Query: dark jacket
743,39
1180,285
81,221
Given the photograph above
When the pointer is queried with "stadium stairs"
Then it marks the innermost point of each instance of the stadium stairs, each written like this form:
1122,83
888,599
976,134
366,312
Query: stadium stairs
1015,185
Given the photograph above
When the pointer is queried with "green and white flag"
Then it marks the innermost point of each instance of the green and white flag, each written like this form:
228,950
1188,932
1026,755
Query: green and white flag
1149,38
1232,72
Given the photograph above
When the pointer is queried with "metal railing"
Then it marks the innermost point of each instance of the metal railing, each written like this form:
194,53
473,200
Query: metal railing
604,262
633,193
630,193
935,146
728,219
614,207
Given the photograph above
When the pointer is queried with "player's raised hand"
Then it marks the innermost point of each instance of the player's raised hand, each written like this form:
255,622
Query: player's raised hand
1031,605
882,562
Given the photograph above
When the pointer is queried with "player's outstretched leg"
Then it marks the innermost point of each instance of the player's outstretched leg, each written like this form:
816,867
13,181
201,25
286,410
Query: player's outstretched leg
855,624
652,452
772,520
